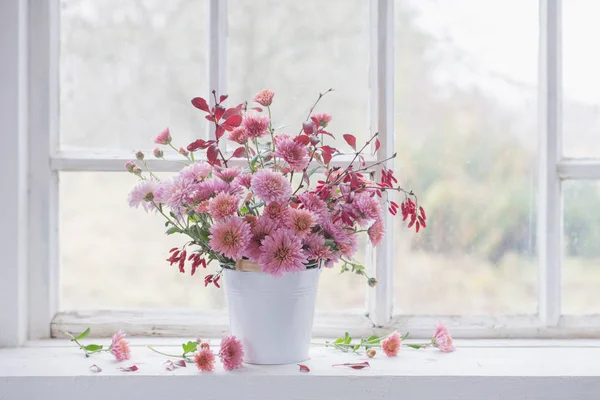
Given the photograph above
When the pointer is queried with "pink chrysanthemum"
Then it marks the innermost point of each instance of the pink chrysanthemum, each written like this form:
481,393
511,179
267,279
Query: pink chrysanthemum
295,154
255,125
282,252
230,237
323,118
316,250
238,135
300,221
391,344
376,232
244,180
271,186
164,137
205,359
197,171
223,205
368,207
442,338
120,347
262,228
211,187
202,207
178,193
277,212
228,174
312,202
143,193
231,353
264,97
349,246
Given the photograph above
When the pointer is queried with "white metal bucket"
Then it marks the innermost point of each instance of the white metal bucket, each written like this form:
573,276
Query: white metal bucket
273,317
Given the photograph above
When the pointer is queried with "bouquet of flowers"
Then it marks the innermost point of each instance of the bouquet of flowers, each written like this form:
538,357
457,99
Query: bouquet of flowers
261,202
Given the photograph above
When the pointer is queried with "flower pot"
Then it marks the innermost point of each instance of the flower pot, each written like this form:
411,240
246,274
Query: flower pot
273,317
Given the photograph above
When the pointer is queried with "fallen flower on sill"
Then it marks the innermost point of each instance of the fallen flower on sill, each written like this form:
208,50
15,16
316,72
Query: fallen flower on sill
132,368
95,368
361,365
303,368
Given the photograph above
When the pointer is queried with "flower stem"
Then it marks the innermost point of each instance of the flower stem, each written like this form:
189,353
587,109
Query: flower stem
167,354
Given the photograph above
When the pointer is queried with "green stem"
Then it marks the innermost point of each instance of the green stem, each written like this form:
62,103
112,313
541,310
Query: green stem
262,162
164,215
148,169
167,354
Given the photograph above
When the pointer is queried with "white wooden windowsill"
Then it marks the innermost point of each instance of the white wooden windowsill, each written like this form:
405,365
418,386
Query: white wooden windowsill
509,369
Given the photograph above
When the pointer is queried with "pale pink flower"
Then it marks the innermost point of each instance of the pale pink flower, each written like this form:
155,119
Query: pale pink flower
295,154
312,202
368,207
323,118
202,207
391,344
178,193
164,137
213,186
197,171
349,246
264,97
300,221
346,241
120,347
255,125
277,212
205,359
143,193
238,135
230,237
271,186
442,338
316,250
282,252
251,219
376,232
228,174
223,205
263,227
244,180
231,353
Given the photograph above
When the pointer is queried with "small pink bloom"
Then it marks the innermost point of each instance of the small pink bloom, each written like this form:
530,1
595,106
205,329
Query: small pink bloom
255,125
197,171
295,154
143,193
205,359
442,338
301,221
281,253
223,205
323,118
228,174
230,237
244,180
183,152
376,232
164,137
316,249
120,347
158,153
271,186
368,207
263,227
276,212
264,97
202,207
391,344
231,353
238,135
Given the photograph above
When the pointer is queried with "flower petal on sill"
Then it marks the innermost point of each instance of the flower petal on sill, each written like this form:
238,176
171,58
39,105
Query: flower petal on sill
303,368
364,364
133,368
95,368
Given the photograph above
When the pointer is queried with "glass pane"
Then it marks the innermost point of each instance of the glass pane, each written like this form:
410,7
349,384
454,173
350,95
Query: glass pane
466,140
286,47
113,256
129,69
581,253
581,87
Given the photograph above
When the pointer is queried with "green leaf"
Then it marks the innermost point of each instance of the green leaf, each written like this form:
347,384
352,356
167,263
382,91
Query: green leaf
414,346
81,335
347,338
339,341
373,339
167,223
93,347
189,347
405,336
357,347
173,230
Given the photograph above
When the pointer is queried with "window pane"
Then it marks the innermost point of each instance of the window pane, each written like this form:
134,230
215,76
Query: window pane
129,69
290,48
466,140
113,256
581,87
581,253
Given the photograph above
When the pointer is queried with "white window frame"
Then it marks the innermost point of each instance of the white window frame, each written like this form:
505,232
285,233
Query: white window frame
29,42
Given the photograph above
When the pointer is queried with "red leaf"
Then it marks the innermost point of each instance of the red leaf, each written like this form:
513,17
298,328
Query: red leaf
326,156
200,103
212,153
351,140
302,139
219,111
210,118
303,368
220,131
422,221
240,152
133,368
364,364
223,97
95,368
422,212
377,144
233,111
196,144
418,227
233,122
330,149
216,282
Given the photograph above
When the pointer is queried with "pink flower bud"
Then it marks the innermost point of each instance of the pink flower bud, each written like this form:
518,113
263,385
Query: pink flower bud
158,153
314,140
371,353
183,152
137,171
164,137
308,127
372,282
130,165
139,155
